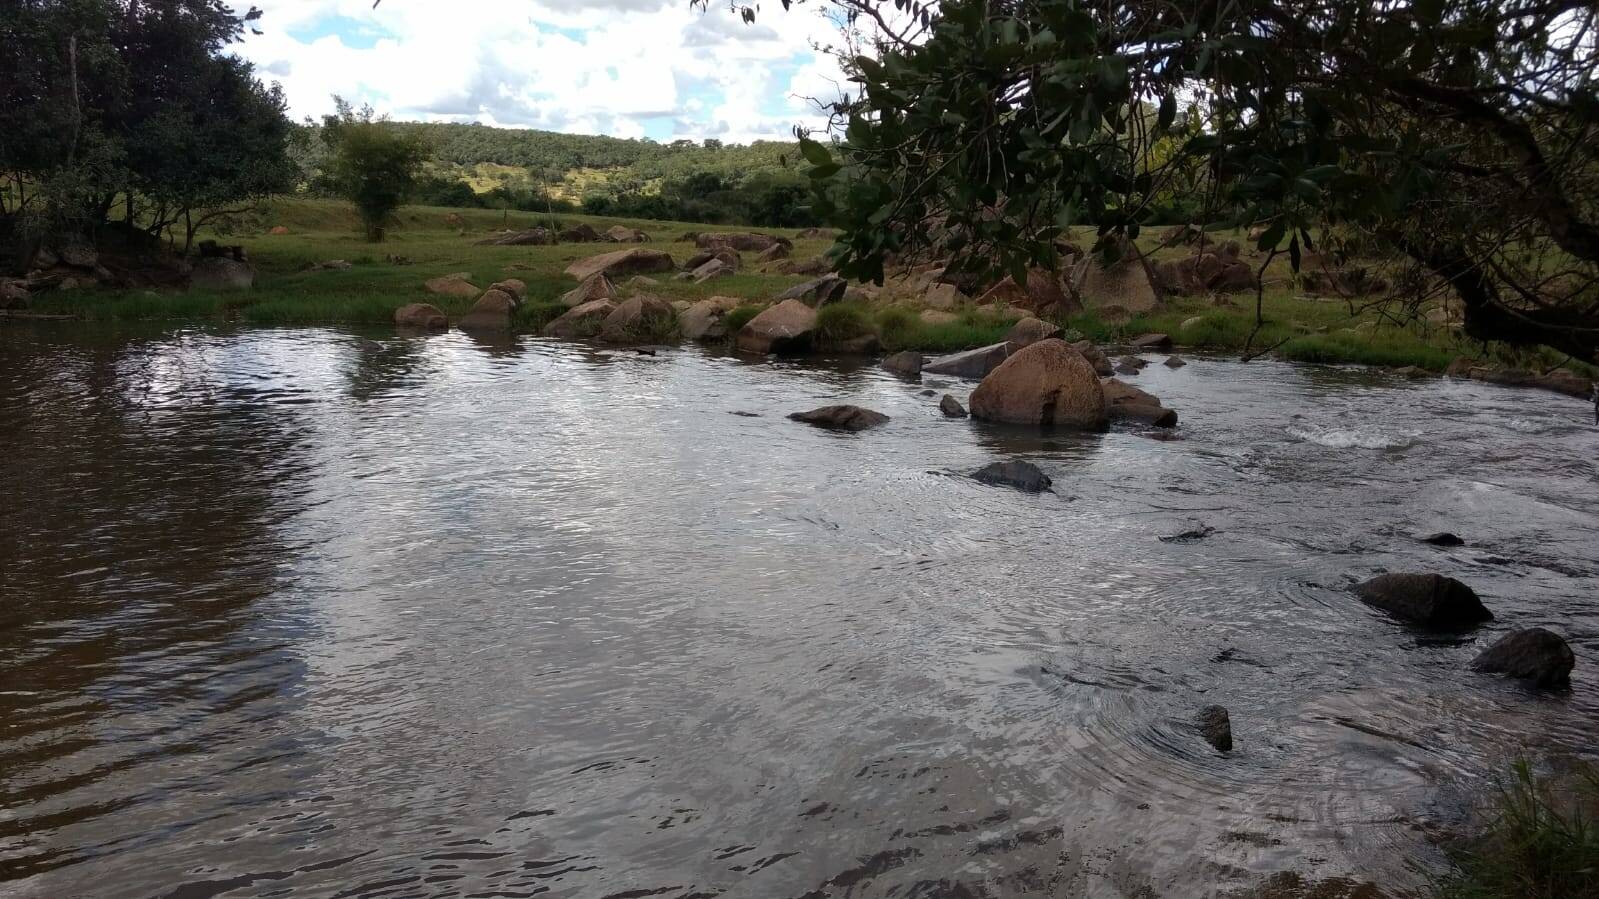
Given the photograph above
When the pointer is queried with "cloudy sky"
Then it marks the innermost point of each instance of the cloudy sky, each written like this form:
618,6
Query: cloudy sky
628,68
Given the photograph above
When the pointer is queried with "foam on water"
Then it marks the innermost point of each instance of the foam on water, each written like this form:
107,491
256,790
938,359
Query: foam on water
1352,438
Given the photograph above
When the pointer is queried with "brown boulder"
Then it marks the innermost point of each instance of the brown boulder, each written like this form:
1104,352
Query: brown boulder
823,290
1041,294
816,265
580,321
1128,283
1429,600
785,327
973,364
420,315
1533,654
704,320
491,312
532,237
594,287
1047,383
1097,359
906,364
516,287
635,261
643,318
580,233
624,234
773,253
1120,393
279,229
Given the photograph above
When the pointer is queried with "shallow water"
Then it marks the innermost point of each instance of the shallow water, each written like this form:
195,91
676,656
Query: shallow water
296,613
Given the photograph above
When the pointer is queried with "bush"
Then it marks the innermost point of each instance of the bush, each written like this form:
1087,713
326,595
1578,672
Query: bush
896,326
838,322
740,316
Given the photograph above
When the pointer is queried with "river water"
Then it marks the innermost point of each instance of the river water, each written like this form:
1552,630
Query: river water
313,613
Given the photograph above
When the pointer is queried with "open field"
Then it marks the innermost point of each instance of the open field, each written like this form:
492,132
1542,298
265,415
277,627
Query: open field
425,246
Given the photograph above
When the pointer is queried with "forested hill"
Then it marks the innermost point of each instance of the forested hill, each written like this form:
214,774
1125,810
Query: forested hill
547,153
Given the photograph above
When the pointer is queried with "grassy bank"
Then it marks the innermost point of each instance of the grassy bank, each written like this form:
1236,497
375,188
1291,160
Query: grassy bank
430,241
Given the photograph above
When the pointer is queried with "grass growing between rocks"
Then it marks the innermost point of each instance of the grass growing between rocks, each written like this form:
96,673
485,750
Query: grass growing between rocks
1542,841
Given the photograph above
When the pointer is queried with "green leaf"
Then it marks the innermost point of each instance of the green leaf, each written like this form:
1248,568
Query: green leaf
1273,236
826,170
1293,253
814,153
1168,112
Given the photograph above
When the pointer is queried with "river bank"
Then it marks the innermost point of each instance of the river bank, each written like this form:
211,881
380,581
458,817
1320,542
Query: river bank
296,285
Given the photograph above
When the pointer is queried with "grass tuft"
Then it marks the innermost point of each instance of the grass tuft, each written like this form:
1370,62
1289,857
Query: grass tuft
837,322
739,316
1542,841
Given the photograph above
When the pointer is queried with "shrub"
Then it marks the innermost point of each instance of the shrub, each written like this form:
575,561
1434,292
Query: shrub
842,321
740,316
1542,843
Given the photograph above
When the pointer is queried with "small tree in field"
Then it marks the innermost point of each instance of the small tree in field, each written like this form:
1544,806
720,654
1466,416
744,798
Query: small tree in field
371,164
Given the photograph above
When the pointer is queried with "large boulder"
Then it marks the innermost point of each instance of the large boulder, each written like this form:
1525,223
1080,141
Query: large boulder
641,319
815,265
580,321
221,273
785,327
491,312
773,253
705,320
841,418
594,287
616,264
1047,383
1124,402
452,285
1128,283
516,287
716,268
1029,331
420,315
1428,600
741,240
1024,476
819,292
727,255
1531,654
972,364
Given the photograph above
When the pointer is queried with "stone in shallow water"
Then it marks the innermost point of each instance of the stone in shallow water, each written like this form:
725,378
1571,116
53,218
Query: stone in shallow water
1216,726
841,418
1429,600
1443,538
951,407
1022,475
1534,654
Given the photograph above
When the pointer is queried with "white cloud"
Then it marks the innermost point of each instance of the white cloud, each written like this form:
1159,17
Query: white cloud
584,66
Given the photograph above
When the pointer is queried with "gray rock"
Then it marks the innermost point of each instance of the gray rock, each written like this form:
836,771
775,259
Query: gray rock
841,418
951,407
1429,600
907,364
818,292
1175,362
1216,726
1532,654
973,364
1022,475
1152,342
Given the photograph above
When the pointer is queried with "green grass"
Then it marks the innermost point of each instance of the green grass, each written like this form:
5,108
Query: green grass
1541,842
369,292
739,316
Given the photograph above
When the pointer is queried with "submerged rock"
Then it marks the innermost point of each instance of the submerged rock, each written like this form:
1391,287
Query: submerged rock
583,320
1442,538
1429,600
841,418
1532,654
1175,361
1216,726
1023,476
951,407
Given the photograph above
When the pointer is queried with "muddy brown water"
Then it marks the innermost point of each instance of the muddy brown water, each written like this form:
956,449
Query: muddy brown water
317,613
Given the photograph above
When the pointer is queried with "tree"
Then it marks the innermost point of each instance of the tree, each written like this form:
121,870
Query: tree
1461,135
372,165
132,105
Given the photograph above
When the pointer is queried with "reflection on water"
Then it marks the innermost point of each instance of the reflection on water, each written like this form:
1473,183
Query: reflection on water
307,612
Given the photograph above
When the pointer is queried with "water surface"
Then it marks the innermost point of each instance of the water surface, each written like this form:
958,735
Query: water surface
305,613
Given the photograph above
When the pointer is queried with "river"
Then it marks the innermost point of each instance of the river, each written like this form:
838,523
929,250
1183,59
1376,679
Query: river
306,612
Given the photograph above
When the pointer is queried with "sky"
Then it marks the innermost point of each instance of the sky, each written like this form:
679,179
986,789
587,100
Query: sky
627,68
